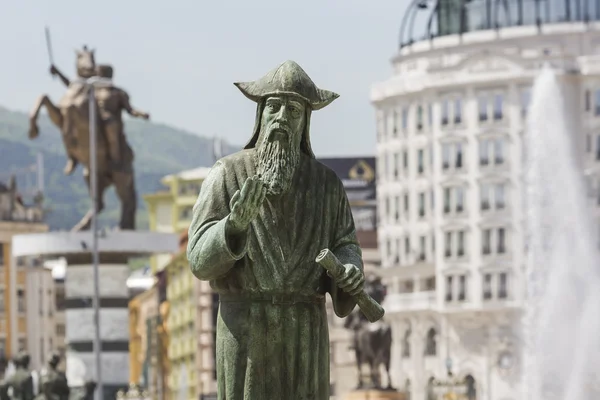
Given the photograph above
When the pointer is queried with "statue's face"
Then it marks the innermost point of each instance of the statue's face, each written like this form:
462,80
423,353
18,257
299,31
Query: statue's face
86,64
278,155
283,120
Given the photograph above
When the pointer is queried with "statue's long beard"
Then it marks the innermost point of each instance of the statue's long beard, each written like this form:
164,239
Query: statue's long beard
276,164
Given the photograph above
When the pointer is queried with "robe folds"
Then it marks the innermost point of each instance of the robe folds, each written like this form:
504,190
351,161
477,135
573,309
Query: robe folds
266,350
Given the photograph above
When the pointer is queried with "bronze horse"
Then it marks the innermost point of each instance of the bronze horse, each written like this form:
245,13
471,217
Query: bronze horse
372,343
71,117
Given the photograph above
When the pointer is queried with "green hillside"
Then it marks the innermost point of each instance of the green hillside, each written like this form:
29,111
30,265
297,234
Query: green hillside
159,150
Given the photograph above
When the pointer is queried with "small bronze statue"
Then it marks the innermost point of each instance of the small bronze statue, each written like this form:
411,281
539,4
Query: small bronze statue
372,344
114,155
262,217
18,386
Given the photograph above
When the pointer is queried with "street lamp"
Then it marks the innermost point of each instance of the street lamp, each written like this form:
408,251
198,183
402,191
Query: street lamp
91,83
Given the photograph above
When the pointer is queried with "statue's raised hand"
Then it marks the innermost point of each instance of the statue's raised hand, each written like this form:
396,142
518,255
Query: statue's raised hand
245,204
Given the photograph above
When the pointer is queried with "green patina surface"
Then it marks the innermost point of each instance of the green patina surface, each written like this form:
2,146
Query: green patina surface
262,216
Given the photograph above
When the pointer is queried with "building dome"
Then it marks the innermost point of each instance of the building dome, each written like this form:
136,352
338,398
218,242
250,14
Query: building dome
428,19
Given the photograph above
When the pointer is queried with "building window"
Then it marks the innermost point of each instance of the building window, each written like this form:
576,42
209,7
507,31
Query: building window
406,205
405,161
186,213
460,199
420,161
447,200
445,111
3,346
588,143
395,123
485,197
499,196
422,248
419,117
525,101
496,236
22,344
487,286
461,244
498,103
430,114
457,111
587,100
448,245
462,288
404,118
597,102
482,103
502,285
486,247
407,246
388,210
2,303
1,253
484,151
459,156
597,147
501,241
445,156
497,146
431,343
498,151
406,344
396,165
422,204
21,305
449,288
397,208
60,329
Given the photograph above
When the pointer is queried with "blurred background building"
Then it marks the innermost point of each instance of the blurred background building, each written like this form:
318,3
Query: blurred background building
450,124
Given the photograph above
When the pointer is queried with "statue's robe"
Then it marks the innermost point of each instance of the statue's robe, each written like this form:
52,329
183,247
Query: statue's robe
269,351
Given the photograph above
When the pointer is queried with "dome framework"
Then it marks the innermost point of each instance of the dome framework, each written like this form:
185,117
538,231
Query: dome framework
450,17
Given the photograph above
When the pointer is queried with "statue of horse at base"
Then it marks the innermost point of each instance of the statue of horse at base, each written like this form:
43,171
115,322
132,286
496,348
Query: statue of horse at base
72,117
372,342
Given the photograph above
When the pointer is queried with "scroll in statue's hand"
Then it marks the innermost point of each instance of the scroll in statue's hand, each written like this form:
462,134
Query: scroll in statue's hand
352,280
245,204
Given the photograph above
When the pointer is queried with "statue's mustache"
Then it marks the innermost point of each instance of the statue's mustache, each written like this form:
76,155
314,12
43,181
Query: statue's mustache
277,127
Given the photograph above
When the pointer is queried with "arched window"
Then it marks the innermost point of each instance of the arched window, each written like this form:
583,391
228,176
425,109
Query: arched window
471,388
406,344
431,343
429,389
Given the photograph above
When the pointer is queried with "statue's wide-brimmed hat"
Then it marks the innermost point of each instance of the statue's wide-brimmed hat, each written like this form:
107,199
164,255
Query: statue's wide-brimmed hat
287,79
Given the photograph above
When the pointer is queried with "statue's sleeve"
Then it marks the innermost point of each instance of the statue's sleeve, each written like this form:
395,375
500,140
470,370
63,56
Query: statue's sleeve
211,252
347,250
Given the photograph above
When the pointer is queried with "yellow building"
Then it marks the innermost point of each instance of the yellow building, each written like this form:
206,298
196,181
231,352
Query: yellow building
15,219
190,332
170,210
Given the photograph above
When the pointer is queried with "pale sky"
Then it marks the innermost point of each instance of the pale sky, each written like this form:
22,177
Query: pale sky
178,59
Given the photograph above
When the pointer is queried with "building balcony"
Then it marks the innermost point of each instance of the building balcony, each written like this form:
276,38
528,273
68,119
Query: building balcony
410,302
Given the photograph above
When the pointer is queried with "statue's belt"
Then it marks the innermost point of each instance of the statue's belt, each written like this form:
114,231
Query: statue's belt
286,298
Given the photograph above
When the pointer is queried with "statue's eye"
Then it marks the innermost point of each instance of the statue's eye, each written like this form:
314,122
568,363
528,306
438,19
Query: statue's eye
273,107
295,112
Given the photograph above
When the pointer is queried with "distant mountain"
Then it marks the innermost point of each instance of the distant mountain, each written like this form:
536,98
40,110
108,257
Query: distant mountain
159,150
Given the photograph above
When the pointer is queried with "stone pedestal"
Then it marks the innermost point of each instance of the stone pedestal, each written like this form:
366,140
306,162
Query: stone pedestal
375,395
114,249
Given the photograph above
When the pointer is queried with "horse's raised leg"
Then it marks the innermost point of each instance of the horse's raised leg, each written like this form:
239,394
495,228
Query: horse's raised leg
53,112
125,188
85,222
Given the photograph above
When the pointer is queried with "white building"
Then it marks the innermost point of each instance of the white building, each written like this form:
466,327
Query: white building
450,124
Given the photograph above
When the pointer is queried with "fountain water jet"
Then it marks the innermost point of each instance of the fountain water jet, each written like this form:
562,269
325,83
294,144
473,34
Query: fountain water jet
562,314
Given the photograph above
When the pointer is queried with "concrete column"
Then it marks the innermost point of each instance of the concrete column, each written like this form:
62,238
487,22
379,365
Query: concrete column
114,325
